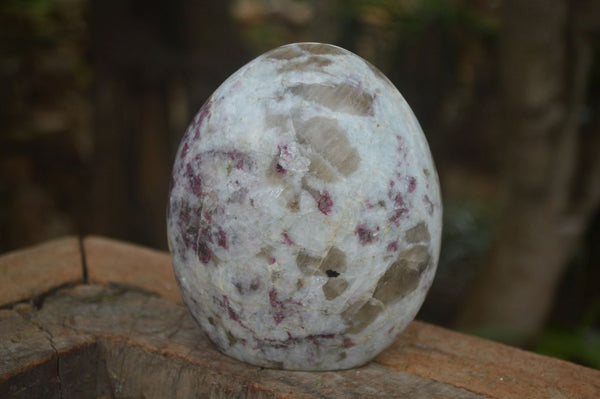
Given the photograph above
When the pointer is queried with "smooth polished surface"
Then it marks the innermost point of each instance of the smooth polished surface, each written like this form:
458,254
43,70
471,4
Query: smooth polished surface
304,216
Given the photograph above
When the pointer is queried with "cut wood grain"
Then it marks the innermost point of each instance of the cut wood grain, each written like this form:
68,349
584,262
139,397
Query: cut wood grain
487,367
127,335
151,348
110,261
31,272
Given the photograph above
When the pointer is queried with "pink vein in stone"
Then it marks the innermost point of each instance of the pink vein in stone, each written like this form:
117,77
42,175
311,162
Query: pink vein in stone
184,150
232,314
286,238
325,203
225,303
401,148
400,207
284,149
365,235
203,251
398,214
194,181
280,169
369,204
222,239
315,339
280,309
279,306
412,184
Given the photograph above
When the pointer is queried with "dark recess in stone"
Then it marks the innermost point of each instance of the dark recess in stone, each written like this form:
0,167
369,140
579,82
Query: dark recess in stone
332,273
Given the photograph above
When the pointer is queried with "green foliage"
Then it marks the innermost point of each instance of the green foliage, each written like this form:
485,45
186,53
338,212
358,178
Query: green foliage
581,345
33,25
265,36
26,6
412,17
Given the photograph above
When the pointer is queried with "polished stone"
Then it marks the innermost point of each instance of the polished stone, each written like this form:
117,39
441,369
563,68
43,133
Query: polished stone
304,217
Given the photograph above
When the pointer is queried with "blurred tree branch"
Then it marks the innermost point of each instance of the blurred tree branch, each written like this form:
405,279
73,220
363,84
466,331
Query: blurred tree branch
552,171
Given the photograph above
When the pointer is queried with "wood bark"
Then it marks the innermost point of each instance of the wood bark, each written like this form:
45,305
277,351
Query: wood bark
552,177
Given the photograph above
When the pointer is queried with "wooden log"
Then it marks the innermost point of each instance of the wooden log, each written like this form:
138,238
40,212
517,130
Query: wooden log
27,274
126,335
110,261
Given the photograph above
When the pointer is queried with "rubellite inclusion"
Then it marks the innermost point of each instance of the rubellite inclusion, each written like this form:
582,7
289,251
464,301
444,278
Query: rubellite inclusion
304,215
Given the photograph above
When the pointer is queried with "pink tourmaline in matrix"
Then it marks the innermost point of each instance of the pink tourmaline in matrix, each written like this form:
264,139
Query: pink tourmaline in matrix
304,217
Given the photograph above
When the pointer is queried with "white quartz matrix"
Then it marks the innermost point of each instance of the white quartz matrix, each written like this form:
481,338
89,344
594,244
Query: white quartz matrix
304,216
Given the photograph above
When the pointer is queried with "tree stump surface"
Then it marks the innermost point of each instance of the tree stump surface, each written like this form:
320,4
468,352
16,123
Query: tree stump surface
99,318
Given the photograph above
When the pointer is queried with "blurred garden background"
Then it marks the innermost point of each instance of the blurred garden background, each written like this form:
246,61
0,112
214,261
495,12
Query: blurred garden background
96,94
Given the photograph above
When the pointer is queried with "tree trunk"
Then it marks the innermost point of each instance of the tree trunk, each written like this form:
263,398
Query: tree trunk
551,194
154,64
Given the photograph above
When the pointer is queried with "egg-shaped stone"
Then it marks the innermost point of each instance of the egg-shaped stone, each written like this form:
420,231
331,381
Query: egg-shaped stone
304,216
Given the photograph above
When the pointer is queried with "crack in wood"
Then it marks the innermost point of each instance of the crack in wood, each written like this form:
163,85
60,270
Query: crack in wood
84,267
50,339
163,354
